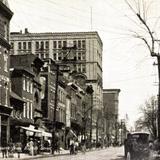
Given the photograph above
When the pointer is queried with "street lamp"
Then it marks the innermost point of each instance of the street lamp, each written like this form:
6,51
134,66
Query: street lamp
90,91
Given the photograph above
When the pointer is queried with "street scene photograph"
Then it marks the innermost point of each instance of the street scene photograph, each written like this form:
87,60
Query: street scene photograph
80,79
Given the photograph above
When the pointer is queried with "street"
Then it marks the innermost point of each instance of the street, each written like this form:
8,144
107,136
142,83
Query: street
112,153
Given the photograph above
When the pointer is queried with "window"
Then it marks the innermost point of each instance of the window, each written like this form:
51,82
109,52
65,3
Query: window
24,83
12,45
24,45
54,44
79,55
19,46
64,43
29,46
37,45
5,62
83,44
47,45
31,87
28,85
59,56
24,109
54,56
79,44
74,43
28,109
31,110
59,44
83,56
5,30
47,55
79,68
42,45
83,68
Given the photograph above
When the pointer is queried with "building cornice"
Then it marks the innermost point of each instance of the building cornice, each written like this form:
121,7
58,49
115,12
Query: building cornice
6,11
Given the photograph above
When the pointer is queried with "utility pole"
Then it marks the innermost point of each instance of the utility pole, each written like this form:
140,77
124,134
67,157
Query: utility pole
55,108
68,50
158,114
90,91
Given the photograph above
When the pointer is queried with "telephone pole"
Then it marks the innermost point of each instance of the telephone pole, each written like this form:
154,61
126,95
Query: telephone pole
65,59
158,111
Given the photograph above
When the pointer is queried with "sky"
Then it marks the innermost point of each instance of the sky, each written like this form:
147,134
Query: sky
127,64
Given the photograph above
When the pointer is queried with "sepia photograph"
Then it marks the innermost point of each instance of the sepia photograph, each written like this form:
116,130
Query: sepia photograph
80,79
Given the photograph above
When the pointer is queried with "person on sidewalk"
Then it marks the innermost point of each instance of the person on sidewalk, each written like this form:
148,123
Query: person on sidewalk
76,145
18,148
83,148
31,147
71,147
4,148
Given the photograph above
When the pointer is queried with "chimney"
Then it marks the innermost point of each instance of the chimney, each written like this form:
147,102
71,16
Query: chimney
26,30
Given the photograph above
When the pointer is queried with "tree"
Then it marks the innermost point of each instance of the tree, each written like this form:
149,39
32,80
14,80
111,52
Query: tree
148,118
148,34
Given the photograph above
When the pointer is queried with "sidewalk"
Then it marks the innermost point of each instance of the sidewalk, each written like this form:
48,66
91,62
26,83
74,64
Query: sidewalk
27,156
44,155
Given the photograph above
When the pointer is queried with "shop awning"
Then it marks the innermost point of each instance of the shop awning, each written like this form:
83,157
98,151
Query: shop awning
31,129
71,133
46,134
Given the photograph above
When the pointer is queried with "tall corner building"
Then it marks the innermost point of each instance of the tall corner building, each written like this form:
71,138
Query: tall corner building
87,56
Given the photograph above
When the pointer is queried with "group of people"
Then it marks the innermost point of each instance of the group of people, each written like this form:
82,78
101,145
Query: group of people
10,148
75,146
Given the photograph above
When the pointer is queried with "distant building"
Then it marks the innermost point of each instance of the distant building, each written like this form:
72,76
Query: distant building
110,103
5,108
84,57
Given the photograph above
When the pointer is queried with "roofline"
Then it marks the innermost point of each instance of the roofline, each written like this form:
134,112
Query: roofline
6,11
56,34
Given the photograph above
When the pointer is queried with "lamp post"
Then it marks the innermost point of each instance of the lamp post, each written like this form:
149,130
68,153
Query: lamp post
55,109
90,91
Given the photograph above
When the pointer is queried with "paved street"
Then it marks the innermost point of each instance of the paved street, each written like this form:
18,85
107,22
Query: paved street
105,154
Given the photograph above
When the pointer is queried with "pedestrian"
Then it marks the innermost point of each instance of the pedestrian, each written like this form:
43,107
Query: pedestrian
4,148
11,149
76,147
84,148
31,147
18,148
71,147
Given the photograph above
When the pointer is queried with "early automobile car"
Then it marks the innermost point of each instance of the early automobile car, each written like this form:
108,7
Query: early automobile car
136,146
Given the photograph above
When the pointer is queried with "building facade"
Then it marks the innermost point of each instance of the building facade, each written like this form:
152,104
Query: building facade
86,56
25,86
5,108
110,103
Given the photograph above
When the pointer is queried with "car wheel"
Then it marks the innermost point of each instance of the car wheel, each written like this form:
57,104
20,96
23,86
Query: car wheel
128,156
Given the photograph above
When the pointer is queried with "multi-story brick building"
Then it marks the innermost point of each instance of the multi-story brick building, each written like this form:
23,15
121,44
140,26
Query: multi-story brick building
86,57
25,71
111,102
5,108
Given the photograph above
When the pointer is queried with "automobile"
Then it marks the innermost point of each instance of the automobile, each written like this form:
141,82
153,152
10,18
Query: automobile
136,146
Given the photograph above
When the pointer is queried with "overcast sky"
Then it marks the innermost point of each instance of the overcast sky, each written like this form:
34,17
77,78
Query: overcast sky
127,64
